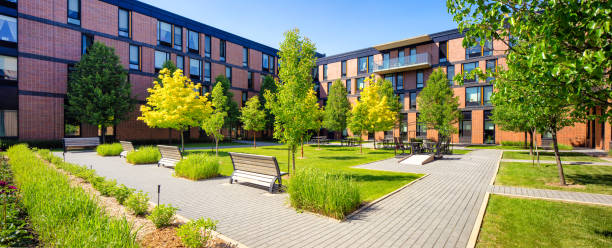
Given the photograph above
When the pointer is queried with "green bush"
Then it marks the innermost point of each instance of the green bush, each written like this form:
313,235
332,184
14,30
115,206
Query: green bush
197,166
191,234
121,193
63,215
162,215
323,192
513,143
109,149
138,203
565,147
144,155
106,187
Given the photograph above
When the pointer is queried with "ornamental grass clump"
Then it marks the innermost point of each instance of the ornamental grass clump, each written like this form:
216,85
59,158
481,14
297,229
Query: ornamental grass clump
330,194
162,215
61,214
109,149
197,166
144,155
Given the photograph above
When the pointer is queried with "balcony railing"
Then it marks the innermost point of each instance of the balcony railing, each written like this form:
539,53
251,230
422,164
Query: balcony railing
417,61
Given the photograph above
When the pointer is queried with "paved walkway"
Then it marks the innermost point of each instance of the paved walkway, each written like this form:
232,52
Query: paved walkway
437,211
562,162
553,194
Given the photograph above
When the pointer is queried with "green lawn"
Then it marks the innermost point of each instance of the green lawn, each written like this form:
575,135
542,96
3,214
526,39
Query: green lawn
518,222
503,147
583,178
372,184
565,156
458,151
212,144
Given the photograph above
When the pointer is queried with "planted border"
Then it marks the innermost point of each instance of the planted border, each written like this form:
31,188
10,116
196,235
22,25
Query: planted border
113,149
197,166
144,155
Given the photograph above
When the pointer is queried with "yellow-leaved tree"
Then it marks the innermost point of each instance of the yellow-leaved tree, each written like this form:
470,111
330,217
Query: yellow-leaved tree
175,103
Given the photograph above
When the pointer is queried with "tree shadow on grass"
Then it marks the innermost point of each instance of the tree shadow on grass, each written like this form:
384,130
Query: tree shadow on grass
339,157
584,179
605,233
375,178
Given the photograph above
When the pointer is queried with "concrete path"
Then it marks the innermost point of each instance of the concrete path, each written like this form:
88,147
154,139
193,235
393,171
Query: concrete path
438,211
553,194
562,162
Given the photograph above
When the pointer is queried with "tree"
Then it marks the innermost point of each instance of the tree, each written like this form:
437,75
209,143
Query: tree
380,104
357,121
98,91
294,105
175,103
439,107
212,126
231,107
168,64
267,84
337,108
253,117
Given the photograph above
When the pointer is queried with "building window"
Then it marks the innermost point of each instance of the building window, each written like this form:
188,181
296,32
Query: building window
400,81
360,84
245,57
8,123
419,79
207,46
450,73
478,50
472,96
421,127
348,86
442,51
222,50
180,62
370,63
8,32
228,74
386,57
265,62
487,92
207,72
329,86
194,69
250,81
491,64
401,58
9,3
465,127
245,97
134,57
343,68
124,23
316,88
467,68
401,100
362,65
160,59
412,55
413,100
489,128
164,34
324,72
178,38
193,41
271,61
8,68
74,12
86,42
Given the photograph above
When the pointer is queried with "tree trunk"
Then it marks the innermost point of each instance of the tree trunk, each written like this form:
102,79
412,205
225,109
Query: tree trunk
216,146
558,159
525,143
293,152
360,146
374,141
438,143
530,143
182,142
103,134
535,144
254,142
302,155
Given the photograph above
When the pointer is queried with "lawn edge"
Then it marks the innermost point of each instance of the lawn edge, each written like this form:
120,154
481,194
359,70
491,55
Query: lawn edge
554,199
368,205
499,160
478,223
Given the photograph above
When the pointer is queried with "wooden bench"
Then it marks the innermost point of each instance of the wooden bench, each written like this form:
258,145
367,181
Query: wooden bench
127,147
70,143
256,169
170,155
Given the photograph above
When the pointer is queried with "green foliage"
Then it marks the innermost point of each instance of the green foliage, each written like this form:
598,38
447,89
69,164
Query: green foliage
98,92
162,215
438,105
513,143
267,85
197,166
138,202
63,215
565,147
323,192
106,187
195,234
109,149
252,116
121,193
230,106
14,227
215,122
337,108
144,155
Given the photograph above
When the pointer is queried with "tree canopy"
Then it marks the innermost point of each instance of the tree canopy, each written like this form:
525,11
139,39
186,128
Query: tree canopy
212,126
231,106
253,117
267,84
337,108
379,104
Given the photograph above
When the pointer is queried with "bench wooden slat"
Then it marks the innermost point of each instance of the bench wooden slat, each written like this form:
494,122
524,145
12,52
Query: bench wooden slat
256,169
170,155
126,147
88,142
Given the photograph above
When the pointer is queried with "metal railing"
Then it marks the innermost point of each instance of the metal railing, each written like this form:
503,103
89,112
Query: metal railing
417,59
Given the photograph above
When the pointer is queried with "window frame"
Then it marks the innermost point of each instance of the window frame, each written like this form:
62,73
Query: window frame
343,68
397,84
137,66
178,46
5,75
207,78
189,45
124,32
161,42
194,76
494,61
443,52
250,83
413,100
10,43
222,50
325,72
182,59
348,84
168,57
245,57
228,69
478,93
450,77
207,45
74,20
420,84
463,71
364,62
84,46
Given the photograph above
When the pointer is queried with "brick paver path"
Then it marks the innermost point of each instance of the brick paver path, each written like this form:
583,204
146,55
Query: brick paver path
553,194
562,162
438,211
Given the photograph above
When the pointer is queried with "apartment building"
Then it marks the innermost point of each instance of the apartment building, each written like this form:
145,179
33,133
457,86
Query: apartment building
408,63
42,40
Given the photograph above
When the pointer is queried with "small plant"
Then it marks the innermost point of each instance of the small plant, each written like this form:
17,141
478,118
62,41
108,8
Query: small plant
138,203
144,155
565,147
195,234
109,149
513,143
121,193
106,187
198,166
162,215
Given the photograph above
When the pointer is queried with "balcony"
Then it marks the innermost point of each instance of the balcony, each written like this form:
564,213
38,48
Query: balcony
406,63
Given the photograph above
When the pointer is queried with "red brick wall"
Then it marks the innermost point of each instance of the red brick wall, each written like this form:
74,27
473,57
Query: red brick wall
41,118
100,16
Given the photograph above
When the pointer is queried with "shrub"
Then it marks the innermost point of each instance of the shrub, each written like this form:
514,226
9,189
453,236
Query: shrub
138,203
63,215
565,147
106,187
323,192
121,193
109,149
198,166
513,143
144,155
192,235
162,215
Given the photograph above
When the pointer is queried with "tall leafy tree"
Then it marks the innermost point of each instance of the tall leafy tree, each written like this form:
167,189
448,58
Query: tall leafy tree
168,64
381,105
214,124
175,104
357,121
337,108
294,105
98,91
267,84
438,106
253,117
231,106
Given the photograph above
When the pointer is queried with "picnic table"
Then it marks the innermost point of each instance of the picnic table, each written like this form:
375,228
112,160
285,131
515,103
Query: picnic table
349,141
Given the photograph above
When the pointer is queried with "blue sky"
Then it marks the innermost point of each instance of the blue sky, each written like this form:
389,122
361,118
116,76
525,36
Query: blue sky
334,26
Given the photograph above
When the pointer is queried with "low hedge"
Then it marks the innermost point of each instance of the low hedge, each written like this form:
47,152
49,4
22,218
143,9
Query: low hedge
197,166
330,194
63,215
144,155
113,149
